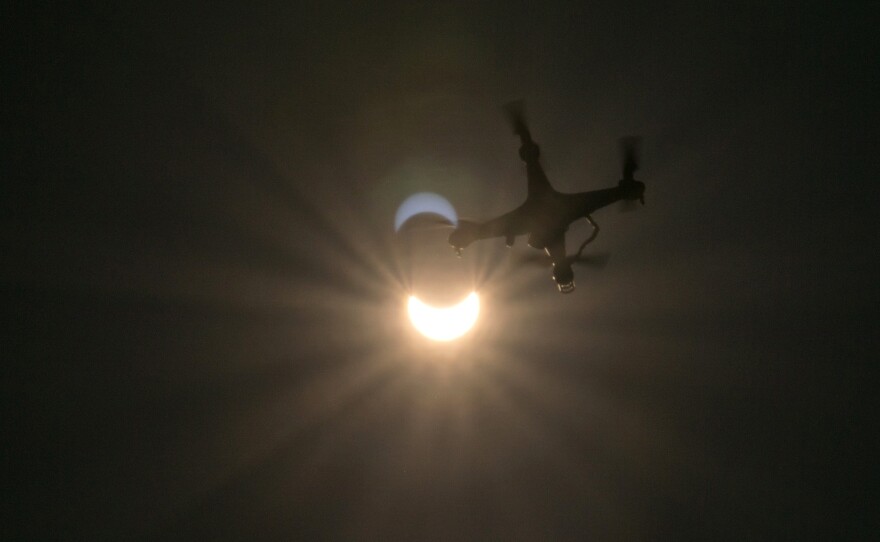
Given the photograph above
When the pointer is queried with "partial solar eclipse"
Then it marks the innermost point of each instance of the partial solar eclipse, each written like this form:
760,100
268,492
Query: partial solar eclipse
425,202
446,323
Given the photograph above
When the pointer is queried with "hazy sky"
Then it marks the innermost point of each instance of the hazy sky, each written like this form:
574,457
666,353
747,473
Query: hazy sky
205,334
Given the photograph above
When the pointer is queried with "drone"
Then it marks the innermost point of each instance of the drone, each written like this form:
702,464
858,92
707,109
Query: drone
547,213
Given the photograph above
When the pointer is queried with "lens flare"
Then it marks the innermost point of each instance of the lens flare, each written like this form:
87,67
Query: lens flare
446,323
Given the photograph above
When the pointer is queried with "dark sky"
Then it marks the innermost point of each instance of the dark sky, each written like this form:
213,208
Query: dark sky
204,334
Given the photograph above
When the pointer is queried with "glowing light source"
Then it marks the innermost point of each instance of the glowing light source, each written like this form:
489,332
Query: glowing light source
447,323
425,202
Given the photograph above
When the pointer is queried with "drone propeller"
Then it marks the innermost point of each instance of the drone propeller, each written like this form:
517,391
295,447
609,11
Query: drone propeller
596,261
629,148
516,115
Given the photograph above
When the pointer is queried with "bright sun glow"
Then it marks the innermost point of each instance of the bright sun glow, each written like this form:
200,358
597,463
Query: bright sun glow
444,324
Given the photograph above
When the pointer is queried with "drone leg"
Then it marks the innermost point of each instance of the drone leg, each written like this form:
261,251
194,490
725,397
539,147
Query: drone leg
590,238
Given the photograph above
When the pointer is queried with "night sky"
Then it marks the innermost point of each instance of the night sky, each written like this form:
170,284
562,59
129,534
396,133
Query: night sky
204,332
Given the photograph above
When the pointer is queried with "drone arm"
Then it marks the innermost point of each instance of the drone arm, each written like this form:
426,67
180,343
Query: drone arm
505,226
586,203
508,225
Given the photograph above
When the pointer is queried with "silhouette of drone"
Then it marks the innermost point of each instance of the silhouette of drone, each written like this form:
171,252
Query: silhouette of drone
546,214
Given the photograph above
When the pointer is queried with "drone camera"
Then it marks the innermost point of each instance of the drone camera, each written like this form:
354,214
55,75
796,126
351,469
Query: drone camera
564,278
566,288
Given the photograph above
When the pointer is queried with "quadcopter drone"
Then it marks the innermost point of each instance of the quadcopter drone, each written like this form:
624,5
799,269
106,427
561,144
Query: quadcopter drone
546,214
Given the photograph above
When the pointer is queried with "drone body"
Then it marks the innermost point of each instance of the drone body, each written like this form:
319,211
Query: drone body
547,213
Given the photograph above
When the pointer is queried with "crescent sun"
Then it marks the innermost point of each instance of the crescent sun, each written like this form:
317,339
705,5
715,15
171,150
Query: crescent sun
446,323
424,202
